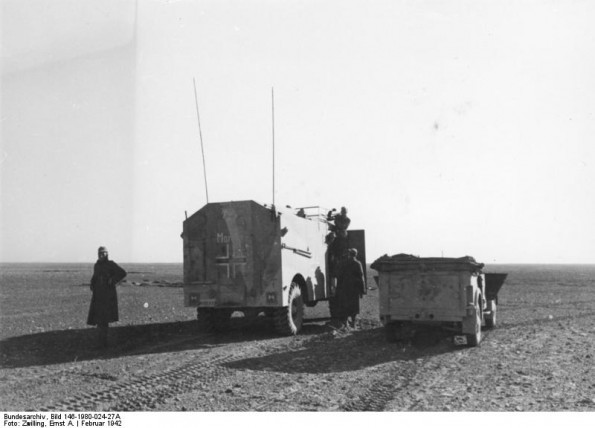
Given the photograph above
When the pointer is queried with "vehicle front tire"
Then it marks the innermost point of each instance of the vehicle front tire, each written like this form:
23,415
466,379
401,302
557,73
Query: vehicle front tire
289,319
491,318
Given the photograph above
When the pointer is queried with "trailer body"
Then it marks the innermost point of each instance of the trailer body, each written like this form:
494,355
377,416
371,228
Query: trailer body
450,292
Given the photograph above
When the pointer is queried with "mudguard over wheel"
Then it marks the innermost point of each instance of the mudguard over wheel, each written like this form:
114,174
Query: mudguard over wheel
490,318
289,319
474,339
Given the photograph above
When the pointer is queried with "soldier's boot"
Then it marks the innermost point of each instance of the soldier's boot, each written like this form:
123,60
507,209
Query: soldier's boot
335,323
343,323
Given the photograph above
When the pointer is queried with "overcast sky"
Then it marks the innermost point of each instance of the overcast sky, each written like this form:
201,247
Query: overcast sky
445,127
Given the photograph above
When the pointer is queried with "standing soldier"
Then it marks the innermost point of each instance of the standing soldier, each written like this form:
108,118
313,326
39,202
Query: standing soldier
350,288
104,302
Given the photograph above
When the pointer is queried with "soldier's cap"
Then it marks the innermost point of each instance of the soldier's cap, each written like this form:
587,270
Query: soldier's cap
352,252
102,250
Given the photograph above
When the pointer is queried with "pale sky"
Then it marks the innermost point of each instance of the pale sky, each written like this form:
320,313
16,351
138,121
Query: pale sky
445,127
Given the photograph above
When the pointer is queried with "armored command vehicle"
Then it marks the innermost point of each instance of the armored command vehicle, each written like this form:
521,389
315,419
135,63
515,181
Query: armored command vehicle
248,257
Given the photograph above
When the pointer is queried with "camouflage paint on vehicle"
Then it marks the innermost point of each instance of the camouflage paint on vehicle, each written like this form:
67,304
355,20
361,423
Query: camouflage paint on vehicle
245,255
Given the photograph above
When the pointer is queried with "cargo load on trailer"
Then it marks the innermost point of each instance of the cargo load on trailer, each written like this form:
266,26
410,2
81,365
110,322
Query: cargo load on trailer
454,293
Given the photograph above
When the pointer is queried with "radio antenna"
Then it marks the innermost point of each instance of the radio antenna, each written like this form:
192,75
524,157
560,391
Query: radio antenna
273,111
204,167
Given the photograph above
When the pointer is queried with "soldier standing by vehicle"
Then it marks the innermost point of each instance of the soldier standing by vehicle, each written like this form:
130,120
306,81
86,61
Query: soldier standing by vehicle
104,302
350,288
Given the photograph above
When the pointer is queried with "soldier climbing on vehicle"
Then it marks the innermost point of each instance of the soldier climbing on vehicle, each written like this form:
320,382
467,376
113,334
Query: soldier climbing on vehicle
341,223
339,227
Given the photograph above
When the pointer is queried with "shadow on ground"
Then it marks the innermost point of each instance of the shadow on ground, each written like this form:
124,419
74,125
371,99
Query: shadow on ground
322,349
64,346
353,350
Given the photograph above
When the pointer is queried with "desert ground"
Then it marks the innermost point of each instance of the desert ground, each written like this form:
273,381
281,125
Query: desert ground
538,358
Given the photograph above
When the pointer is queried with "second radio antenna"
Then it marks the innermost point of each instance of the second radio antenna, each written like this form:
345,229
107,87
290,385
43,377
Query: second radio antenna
273,111
204,167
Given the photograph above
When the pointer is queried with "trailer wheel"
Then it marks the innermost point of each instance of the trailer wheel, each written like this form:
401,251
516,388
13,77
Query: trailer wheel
491,318
289,319
474,339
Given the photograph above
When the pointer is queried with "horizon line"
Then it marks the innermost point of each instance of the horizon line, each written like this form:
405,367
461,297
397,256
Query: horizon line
181,262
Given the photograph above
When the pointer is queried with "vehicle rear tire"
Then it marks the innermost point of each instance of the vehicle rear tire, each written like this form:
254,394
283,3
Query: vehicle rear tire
213,320
391,332
204,317
250,315
491,318
289,319
474,339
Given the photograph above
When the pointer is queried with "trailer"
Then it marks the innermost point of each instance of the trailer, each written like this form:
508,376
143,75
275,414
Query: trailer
242,256
452,293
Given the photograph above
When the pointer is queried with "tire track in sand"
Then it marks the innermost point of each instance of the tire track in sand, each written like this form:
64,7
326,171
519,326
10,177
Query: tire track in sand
147,391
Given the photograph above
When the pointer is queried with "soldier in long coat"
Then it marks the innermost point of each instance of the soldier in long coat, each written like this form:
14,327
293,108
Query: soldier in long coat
104,302
350,288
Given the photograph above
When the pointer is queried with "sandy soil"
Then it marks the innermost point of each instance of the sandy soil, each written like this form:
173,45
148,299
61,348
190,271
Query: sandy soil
539,357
